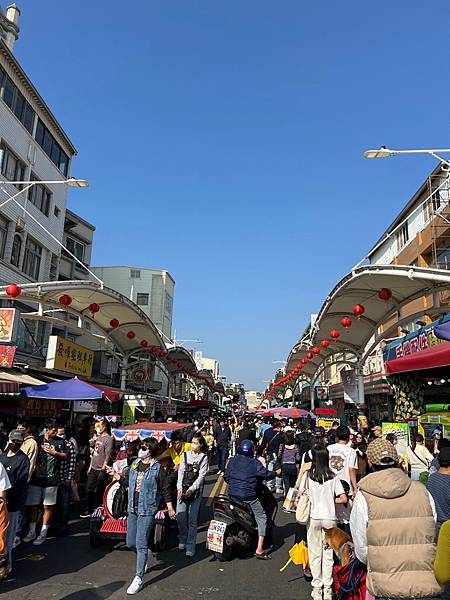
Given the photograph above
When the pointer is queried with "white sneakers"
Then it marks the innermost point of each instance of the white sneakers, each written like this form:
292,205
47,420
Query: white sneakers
40,539
182,547
136,586
189,553
29,537
327,593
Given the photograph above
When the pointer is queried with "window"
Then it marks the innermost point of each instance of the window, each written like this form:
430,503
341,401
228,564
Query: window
56,211
3,233
51,147
168,304
135,274
32,258
40,196
12,167
54,268
402,236
142,299
16,102
16,250
75,247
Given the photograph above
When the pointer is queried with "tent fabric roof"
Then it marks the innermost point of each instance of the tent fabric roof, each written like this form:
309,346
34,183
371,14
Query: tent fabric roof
69,389
113,305
362,286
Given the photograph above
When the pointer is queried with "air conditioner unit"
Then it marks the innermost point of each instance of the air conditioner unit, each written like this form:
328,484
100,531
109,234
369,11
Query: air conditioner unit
20,224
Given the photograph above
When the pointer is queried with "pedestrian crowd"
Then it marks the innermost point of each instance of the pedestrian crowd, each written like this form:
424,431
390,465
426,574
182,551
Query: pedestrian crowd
394,506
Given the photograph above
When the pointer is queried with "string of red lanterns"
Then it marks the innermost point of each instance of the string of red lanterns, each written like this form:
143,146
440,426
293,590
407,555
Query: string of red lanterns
384,294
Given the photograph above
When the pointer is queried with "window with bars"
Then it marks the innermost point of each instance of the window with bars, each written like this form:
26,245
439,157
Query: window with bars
32,258
402,236
40,196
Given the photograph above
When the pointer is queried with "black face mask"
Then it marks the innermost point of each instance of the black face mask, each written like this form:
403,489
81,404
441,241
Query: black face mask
14,446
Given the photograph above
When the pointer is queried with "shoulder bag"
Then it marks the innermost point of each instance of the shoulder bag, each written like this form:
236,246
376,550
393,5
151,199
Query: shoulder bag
303,510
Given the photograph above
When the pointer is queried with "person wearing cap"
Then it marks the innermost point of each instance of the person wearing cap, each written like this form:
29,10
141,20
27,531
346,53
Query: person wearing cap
377,432
16,465
393,529
439,487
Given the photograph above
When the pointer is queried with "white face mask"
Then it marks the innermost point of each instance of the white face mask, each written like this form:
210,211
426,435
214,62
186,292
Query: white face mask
143,453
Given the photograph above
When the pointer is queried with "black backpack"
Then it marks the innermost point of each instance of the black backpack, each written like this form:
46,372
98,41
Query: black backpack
190,475
120,503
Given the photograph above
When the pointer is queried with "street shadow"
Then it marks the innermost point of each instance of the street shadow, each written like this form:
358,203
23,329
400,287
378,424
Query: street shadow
57,556
100,593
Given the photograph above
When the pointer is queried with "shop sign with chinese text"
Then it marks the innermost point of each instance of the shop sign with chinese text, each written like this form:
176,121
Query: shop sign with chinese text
68,357
9,320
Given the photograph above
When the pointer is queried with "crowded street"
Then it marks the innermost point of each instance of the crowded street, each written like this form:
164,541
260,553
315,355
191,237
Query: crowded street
67,568
224,300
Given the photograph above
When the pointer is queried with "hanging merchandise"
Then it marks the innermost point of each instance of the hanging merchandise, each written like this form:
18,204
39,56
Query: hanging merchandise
409,396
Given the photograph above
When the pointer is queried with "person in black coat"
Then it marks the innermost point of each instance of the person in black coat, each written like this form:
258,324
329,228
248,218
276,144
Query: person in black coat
222,438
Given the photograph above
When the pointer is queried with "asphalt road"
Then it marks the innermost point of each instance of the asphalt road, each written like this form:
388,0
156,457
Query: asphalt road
68,569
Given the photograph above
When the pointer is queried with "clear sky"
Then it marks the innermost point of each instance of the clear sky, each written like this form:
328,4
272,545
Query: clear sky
223,141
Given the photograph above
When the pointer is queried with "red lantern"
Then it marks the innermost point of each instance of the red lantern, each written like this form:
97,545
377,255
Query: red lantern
385,294
325,344
316,350
304,361
114,323
144,344
131,335
346,323
65,300
94,308
154,349
13,291
162,354
359,310
334,334
309,355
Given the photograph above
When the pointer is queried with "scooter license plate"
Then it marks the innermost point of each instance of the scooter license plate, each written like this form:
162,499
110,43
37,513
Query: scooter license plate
216,534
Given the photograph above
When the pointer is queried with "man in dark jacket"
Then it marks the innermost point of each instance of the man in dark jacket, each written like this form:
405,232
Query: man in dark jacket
222,437
245,433
17,467
244,474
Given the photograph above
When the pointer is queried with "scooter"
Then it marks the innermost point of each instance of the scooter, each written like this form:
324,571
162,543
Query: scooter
233,530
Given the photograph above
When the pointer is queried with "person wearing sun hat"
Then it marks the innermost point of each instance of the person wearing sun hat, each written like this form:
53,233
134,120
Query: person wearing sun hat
393,529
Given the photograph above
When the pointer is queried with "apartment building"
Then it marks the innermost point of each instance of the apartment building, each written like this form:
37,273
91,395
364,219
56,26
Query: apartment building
207,364
152,290
78,238
33,147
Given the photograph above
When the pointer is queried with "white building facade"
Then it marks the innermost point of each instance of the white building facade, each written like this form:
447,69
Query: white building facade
33,147
152,290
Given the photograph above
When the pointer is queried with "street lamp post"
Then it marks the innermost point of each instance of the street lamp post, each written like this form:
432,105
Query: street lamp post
384,152
71,182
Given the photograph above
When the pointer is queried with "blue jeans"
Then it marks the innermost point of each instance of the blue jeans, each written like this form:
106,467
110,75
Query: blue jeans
138,530
187,517
222,455
11,534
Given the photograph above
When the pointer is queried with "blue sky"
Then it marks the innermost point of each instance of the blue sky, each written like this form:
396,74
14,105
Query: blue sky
223,141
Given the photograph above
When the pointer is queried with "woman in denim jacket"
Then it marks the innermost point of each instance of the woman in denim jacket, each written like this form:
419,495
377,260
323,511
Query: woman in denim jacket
147,482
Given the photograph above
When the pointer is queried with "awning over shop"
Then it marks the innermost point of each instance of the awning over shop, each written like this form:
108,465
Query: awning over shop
70,389
19,378
430,358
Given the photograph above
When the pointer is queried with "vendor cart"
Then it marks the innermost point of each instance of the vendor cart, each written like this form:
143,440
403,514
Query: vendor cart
103,524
